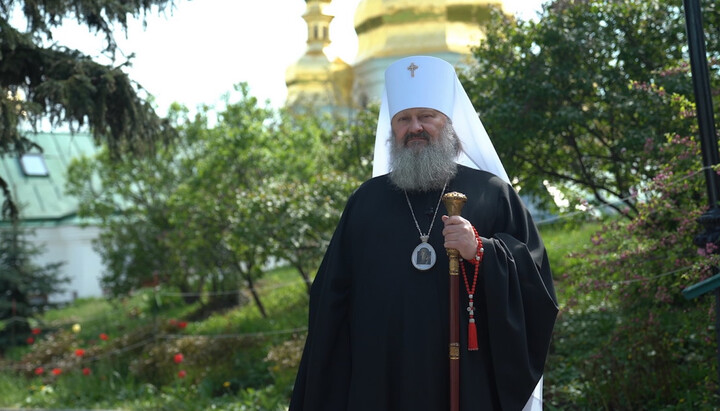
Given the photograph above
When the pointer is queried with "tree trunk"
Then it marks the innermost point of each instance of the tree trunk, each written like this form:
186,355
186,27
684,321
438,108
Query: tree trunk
305,277
189,295
255,295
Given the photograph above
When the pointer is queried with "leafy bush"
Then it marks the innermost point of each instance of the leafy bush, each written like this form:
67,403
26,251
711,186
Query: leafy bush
644,345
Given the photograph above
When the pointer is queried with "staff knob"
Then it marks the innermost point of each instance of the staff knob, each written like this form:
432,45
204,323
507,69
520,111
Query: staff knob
454,202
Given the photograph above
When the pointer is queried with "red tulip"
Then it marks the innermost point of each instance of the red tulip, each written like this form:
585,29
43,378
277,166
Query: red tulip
30,340
79,352
103,336
182,324
39,370
86,371
56,371
182,374
35,331
178,358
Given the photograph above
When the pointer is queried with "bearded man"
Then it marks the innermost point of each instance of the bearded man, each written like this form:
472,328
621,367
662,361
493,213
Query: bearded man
378,327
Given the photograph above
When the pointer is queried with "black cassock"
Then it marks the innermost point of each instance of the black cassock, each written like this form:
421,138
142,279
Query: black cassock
378,327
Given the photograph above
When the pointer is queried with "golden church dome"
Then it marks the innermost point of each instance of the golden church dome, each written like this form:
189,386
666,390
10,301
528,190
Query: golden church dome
310,67
403,27
309,77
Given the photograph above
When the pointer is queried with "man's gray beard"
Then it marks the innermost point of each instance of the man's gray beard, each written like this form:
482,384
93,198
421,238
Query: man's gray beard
425,168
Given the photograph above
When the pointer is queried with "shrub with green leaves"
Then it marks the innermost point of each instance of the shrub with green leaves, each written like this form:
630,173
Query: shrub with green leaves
658,348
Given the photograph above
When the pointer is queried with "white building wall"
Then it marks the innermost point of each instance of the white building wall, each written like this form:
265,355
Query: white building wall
72,245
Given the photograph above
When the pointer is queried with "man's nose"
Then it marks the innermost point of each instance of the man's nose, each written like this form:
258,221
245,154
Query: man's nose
415,125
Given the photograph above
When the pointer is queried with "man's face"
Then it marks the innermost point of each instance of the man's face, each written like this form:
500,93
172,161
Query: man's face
423,150
415,127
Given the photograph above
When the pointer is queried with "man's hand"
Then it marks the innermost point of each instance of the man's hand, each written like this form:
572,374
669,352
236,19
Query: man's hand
459,235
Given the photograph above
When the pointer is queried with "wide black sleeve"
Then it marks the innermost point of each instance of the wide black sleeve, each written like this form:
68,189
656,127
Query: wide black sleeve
323,377
519,297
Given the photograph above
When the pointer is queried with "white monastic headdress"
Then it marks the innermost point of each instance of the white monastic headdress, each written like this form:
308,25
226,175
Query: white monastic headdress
430,82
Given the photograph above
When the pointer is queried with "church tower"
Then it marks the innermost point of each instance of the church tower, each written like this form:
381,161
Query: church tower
314,78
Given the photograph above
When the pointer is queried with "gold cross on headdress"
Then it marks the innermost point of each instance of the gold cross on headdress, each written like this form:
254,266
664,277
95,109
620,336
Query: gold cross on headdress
412,67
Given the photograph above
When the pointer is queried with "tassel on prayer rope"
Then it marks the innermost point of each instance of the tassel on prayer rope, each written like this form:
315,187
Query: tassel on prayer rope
472,336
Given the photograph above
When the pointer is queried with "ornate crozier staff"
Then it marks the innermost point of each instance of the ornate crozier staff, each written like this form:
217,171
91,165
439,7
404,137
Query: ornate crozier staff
454,203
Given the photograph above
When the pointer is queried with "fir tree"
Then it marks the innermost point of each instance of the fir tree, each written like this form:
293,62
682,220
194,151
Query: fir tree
40,79
25,285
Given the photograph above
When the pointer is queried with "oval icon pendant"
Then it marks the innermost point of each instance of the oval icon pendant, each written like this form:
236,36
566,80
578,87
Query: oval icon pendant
423,257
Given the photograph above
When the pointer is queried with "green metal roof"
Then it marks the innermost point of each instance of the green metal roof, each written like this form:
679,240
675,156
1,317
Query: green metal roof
42,199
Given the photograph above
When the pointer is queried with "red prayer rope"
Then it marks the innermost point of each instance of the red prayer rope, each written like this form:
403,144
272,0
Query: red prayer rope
472,329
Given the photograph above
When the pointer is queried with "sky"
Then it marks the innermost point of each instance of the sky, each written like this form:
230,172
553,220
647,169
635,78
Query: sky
195,53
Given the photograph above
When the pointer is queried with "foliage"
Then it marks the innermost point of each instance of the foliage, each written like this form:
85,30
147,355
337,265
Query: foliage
40,79
25,284
632,323
352,144
128,198
659,239
566,96
285,359
305,213
212,212
309,198
157,363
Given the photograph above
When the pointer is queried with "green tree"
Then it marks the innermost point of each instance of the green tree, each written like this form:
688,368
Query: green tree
221,229
213,211
40,79
129,199
306,194
22,281
353,143
268,184
564,97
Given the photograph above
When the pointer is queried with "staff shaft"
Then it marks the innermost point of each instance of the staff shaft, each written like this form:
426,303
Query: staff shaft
454,203
454,331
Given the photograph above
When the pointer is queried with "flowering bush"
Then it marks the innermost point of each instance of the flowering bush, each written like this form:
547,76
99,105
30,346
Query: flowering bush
59,350
55,349
637,268
205,359
650,259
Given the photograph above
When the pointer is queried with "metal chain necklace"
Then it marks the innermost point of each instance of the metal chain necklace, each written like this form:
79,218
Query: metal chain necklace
423,256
